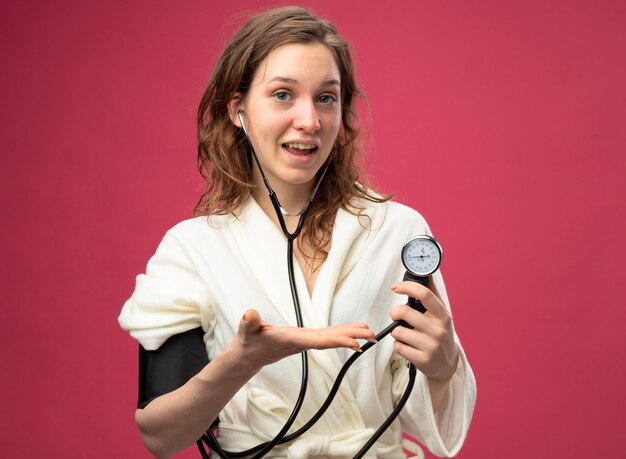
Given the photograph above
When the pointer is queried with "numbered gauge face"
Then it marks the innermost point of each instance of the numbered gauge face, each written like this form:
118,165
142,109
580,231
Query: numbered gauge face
422,255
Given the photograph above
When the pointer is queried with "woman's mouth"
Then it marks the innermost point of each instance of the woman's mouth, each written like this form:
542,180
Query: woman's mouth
300,152
300,148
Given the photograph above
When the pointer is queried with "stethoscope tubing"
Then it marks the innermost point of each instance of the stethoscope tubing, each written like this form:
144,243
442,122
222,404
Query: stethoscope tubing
330,397
281,437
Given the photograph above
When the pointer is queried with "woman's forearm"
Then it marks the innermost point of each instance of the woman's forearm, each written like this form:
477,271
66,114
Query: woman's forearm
174,421
438,393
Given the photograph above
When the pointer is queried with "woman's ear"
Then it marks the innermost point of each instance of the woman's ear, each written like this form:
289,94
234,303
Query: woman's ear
235,104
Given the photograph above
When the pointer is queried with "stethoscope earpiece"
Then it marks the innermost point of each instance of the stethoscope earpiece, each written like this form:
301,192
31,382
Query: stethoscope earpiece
243,125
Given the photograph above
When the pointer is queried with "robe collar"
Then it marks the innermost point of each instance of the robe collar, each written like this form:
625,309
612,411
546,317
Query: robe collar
265,247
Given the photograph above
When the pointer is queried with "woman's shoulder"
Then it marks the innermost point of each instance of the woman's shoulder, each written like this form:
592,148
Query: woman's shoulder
392,211
398,210
388,219
200,227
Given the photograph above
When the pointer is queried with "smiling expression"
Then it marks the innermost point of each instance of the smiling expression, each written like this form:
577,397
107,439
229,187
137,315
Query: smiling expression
292,112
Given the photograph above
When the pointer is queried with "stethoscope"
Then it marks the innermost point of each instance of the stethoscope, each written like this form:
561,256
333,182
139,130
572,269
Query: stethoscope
421,257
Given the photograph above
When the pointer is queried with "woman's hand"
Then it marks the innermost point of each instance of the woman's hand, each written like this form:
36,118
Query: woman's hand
430,344
261,343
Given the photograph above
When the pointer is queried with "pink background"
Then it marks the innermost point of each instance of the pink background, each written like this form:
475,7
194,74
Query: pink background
502,122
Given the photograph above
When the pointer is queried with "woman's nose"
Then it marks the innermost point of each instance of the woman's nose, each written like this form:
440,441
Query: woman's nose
306,117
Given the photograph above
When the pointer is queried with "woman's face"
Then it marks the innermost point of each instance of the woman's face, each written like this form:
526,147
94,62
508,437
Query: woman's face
292,113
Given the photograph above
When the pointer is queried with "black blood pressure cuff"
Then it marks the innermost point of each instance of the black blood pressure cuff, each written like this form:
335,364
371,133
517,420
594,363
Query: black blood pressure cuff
173,364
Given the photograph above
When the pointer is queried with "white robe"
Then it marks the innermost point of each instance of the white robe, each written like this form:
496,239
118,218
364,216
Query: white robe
208,271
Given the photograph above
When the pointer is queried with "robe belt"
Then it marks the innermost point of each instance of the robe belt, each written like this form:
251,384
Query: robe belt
266,414
341,445
345,444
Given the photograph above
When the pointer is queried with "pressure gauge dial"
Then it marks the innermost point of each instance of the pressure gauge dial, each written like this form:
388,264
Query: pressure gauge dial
421,256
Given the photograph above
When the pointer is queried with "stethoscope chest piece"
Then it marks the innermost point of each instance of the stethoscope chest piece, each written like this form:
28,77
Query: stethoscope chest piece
421,255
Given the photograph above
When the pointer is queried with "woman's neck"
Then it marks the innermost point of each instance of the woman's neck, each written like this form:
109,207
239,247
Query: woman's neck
292,199
291,203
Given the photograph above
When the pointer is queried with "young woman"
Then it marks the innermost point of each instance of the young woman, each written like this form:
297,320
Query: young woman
278,114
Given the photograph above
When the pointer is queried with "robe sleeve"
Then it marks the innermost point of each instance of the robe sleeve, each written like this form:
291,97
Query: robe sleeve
169,298
442,433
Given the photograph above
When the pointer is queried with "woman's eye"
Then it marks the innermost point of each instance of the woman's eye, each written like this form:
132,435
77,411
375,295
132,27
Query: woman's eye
327,99
282,96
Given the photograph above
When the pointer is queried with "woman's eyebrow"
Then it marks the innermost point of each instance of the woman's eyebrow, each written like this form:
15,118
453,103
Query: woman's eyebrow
284,80
331,82
288,80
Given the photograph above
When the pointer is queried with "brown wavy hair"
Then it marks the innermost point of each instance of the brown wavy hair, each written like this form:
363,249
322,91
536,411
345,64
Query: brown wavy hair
224,159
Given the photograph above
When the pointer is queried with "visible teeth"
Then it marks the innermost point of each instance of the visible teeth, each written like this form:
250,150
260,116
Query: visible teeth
301,146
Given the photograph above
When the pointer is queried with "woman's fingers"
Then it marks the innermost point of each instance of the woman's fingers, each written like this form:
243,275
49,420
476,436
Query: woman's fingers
250,323
357,331
418,357
429,345
427,297
252,318
330,337
341,336
261,337
414,339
